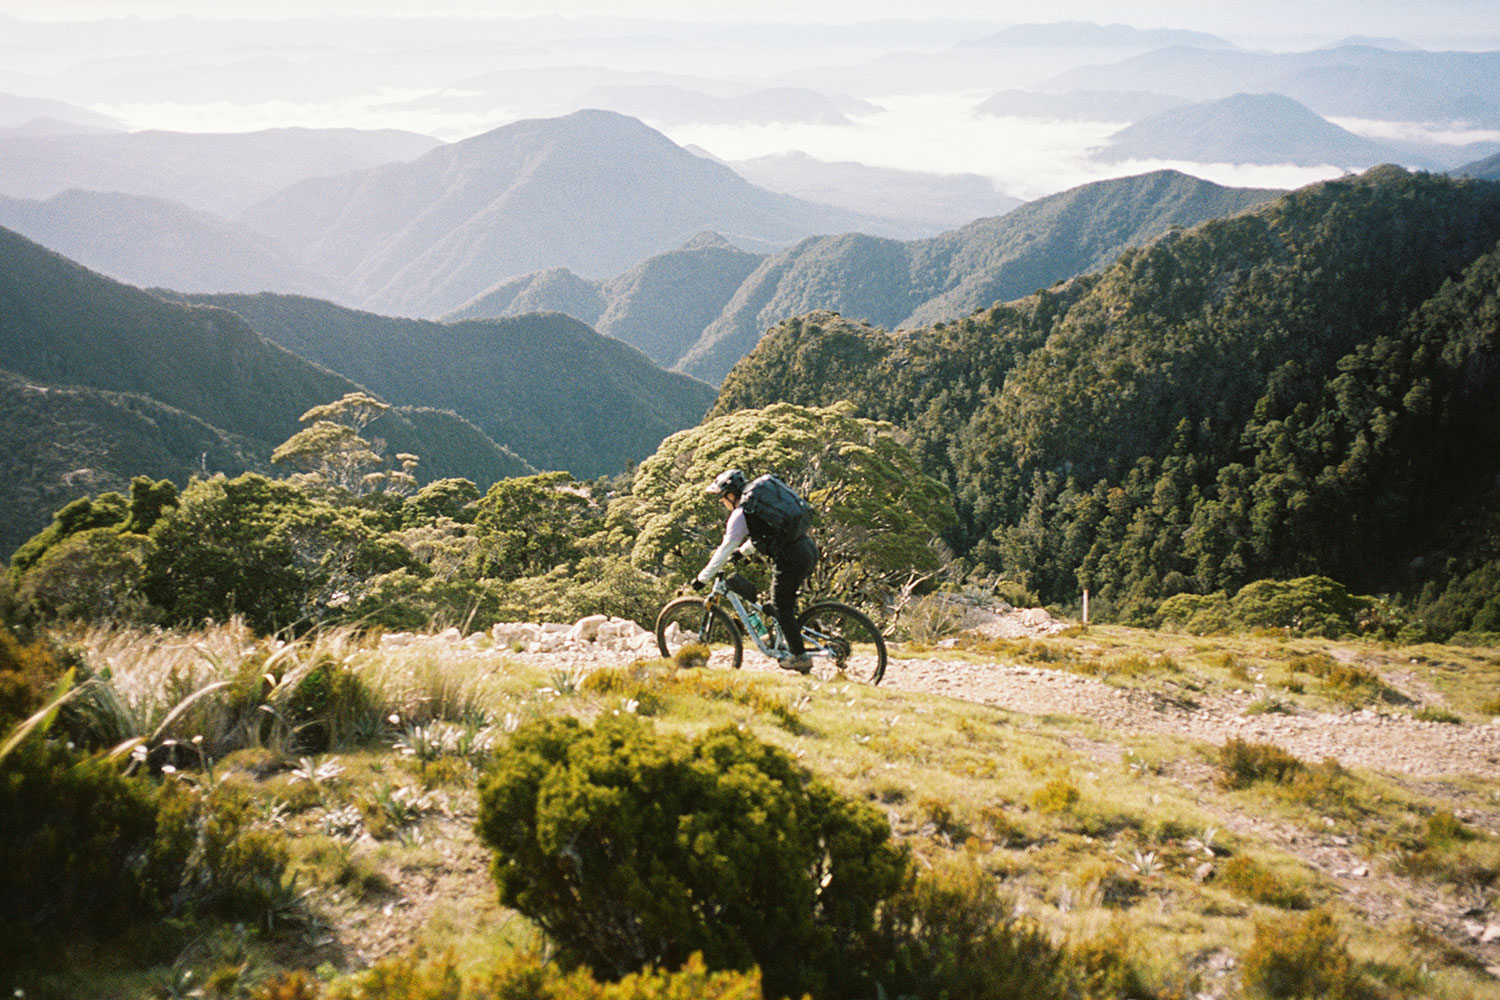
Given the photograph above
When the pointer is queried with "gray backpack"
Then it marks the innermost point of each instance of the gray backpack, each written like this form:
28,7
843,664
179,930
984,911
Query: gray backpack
775,514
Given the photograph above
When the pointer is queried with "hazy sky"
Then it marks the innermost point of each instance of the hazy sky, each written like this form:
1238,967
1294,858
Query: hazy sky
203,77
1455,23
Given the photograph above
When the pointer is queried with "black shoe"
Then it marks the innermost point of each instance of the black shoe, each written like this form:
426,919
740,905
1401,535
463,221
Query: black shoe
802,664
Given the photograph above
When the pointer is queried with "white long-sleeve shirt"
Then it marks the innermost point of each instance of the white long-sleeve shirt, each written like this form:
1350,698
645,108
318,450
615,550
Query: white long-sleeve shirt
736,536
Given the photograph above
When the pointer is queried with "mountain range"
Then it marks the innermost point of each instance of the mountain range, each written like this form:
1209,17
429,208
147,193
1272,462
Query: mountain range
594,191
659,304
928,203
546,384
148,242
101,381
221,173
1355,81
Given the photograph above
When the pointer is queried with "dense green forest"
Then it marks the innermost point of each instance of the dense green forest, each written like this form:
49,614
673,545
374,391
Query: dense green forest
1306,388
342,539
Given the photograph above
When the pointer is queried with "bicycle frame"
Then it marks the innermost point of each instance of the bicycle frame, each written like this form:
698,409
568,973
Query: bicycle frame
815,643
742,608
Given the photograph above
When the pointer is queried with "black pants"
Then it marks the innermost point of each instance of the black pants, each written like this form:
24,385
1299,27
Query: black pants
790,569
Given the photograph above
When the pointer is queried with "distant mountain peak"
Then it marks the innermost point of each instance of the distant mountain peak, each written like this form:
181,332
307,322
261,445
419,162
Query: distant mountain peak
1090,34
1244,128
709,240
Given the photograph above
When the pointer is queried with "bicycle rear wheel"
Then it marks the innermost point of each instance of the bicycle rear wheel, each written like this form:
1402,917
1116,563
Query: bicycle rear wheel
691,634
846,638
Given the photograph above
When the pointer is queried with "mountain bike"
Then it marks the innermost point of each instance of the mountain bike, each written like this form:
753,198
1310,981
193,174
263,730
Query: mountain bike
838,638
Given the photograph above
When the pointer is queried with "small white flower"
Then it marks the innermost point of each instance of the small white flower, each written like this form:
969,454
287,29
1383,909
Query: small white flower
168,769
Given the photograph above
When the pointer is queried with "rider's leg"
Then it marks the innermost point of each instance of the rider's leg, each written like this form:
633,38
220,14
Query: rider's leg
789,572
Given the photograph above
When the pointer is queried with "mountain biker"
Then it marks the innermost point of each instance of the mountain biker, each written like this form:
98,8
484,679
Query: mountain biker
792,559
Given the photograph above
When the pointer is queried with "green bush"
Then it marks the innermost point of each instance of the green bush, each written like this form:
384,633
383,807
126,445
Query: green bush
1249,879
1299,958
1200,614
952,934
77,838
1309,605
28,672
92,855
1242,764
631,849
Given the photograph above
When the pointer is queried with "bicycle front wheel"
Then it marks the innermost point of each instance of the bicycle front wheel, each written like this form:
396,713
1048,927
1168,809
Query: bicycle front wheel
692,634
838,634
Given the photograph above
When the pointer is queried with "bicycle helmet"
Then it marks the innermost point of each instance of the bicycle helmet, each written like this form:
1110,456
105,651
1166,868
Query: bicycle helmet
728,481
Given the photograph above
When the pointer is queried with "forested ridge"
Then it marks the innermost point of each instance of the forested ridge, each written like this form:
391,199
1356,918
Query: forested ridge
544,385
1306,388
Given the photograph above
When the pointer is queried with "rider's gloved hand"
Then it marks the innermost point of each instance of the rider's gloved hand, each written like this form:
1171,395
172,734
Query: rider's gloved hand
698,585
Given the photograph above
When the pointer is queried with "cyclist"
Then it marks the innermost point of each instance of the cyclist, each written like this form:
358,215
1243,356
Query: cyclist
792,559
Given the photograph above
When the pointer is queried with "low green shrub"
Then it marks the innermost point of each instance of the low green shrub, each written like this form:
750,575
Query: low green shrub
1326,785
1242,764
1249,879
1304,957
1451,851
1199,614
951,933
76,836
1105,966
92,855
1309,605
631,849
1057,795
521,977
28,673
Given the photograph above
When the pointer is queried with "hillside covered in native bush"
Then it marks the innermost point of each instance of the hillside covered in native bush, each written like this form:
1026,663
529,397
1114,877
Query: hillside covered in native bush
1306,388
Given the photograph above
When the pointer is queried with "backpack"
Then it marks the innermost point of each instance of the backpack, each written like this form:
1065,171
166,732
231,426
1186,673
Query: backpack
775,514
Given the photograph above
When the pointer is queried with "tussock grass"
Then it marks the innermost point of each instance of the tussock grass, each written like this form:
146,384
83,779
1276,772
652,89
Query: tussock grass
1093,833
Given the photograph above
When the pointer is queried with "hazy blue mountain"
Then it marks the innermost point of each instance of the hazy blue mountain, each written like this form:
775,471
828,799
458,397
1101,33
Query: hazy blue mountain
152,242
212,172
1245,128
660,306
1015,57
928,203
1354,81
1485,169
895,284
1080,34
1081,105
594,192
554,290
17,111
1370,41
546,385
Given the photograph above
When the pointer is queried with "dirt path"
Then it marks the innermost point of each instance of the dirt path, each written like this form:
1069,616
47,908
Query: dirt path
1366,738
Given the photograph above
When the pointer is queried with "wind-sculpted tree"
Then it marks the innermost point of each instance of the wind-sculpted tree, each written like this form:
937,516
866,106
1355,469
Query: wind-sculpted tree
878,515
331,450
